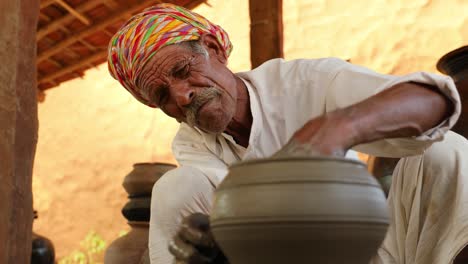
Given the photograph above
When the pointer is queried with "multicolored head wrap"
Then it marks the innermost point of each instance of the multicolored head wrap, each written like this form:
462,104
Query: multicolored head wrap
147,32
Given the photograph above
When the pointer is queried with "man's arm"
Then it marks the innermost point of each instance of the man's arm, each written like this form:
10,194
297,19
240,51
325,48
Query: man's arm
404,110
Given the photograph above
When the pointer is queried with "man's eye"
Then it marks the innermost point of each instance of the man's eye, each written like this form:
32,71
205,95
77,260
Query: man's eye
182,73
161,96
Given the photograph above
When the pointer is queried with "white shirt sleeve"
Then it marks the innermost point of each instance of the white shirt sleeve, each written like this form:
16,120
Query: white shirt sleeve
189,150
352,84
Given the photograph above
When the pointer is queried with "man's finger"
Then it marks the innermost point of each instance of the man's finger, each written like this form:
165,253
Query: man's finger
198,221
196,237
185,253
180,249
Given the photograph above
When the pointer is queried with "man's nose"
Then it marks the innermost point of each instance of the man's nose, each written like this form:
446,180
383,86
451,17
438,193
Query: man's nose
183,93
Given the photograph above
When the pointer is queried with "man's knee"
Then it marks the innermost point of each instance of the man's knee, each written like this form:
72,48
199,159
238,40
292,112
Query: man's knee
435,173
176,194
180,192
446,158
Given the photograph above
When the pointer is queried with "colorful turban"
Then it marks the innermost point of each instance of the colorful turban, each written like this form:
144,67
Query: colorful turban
144,34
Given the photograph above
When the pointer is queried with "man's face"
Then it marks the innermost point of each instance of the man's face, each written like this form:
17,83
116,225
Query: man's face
191,87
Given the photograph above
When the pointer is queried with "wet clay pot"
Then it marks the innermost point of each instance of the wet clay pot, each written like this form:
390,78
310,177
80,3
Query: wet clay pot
131,248
299,210
141,179
455,64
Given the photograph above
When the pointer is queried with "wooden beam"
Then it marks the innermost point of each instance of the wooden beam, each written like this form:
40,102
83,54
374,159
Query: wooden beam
71,52
73,67
85,43
55,63
112,4
46,3
88,45
108,33
44,17
193,4
127,11
75,13
56,24
266,30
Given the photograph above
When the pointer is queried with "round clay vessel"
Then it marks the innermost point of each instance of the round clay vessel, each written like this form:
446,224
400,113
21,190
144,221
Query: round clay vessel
141,179
137,209
131,248
299,210
43,251
455,64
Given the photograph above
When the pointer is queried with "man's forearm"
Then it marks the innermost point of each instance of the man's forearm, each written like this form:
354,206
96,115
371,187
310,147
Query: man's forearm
404,110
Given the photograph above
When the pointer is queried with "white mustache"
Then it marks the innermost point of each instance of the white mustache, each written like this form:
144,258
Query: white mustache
200,99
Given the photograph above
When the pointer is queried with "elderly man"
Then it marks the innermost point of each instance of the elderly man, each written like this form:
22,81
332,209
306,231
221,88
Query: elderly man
173,59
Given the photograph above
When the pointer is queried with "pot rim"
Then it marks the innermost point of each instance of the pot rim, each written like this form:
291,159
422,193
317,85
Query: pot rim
296,159
446,59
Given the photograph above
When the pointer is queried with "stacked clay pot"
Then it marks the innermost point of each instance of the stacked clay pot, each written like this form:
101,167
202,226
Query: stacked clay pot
43,251
133,247
299,210
382,169
455,64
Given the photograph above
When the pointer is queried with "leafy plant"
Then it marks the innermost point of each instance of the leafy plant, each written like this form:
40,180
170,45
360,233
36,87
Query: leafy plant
91,249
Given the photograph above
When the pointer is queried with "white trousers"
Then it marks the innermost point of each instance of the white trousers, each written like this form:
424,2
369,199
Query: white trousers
428,205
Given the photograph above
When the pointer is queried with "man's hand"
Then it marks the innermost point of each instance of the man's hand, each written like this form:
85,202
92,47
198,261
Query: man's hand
321,136
194,243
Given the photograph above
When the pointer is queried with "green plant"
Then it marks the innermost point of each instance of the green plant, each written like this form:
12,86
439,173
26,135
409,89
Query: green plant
91,249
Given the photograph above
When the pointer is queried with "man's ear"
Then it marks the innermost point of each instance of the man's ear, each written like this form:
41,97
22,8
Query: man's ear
213,47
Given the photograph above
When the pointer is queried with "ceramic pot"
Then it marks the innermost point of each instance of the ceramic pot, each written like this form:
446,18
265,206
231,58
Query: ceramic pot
382,169
131,248
141,179
299,210
43,251
137,209
455,64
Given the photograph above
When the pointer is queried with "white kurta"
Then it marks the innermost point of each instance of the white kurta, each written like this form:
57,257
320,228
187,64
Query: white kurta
285,95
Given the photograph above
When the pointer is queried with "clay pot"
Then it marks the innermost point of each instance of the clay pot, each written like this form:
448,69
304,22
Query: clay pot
141,179
299,210
138,209
131,248
382,169
455,64
43,251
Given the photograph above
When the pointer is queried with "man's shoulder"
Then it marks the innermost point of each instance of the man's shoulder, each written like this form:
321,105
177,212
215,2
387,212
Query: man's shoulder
281,68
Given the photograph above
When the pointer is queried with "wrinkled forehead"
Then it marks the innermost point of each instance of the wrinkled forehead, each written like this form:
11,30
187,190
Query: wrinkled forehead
165,61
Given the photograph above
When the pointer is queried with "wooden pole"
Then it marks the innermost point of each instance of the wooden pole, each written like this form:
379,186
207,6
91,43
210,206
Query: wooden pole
18,129
266,30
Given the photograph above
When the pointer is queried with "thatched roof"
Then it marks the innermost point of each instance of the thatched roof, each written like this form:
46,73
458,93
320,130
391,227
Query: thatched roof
72,35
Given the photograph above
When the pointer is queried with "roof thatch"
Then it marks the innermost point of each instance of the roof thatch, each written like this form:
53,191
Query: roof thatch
72,35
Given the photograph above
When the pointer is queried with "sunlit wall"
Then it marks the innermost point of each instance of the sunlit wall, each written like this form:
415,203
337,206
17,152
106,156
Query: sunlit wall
92,131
